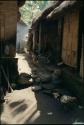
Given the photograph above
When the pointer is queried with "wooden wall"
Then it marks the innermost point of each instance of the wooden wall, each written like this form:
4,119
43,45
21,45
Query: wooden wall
8,21
70,38
8,15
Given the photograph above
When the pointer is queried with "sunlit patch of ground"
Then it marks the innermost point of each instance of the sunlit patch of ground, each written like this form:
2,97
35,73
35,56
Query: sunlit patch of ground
23,65
27,107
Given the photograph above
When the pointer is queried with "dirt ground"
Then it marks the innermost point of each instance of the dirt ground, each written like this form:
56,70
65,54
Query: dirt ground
27,107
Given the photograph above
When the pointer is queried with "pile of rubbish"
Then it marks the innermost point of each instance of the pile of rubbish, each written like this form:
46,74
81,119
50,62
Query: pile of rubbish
49,84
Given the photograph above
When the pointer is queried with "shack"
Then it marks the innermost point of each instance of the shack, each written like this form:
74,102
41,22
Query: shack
71,12
8,29
8,26
59,32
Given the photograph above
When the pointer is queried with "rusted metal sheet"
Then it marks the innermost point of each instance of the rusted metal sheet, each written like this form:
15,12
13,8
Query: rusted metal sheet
70,38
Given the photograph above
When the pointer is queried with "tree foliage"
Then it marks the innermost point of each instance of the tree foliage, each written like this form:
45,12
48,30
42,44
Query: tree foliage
31,9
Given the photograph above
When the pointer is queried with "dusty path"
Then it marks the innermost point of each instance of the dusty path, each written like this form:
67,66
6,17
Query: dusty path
27,107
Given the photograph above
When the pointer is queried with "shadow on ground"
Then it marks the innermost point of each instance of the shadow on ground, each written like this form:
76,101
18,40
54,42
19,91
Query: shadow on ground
49,111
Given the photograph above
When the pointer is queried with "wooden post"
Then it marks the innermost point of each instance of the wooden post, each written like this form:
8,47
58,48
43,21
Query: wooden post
35,39
40,32
59,42
82,59
44,37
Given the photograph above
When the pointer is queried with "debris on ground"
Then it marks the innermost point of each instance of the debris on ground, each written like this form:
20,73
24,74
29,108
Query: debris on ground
45,77
49,81
36,88
69,102
56,77
56,95
48,86
34,76
24,78
66,99
60,64
48,92
62,91
43,59
80,107
34,73
34,70
38,80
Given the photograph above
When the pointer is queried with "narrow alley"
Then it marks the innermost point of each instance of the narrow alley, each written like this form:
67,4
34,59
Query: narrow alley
41,62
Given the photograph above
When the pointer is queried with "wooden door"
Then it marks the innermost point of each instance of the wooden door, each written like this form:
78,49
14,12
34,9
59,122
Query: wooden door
70,39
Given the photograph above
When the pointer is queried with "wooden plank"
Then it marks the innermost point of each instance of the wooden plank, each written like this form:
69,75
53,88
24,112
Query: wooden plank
42,38
65,34
8,5
10,29
82,59
2,27
75,24
9,11
8,24
74,44
70,38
